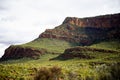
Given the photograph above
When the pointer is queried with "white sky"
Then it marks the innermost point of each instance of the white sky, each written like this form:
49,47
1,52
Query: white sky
23,20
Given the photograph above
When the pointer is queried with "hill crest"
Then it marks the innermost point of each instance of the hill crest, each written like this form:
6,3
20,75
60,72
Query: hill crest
86,31
103,21
77,31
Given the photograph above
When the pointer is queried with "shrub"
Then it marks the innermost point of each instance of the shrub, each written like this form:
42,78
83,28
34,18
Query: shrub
72,75
56,72
44,73
115,71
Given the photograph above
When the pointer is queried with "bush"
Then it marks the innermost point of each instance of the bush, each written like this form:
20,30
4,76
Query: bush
115,71
44,73
72,75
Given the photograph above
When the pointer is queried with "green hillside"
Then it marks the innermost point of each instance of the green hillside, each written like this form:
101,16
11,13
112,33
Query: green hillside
110,44
78,49
103,66
52,45
58,46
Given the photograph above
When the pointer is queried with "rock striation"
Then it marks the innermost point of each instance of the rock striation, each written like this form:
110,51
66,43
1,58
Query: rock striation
106,21
86,31
16,52
83,31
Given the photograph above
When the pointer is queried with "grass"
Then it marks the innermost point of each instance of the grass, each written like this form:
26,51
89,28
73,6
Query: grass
52,45
79,68
104,66
111,44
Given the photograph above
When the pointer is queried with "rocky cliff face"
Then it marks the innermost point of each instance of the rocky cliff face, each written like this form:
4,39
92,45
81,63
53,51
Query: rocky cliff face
16,52
106,21
83,31
86,31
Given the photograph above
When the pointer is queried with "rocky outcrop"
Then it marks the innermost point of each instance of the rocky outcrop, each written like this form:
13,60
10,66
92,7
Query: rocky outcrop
16,52
83,49
82,52
106,21
83,31
86,31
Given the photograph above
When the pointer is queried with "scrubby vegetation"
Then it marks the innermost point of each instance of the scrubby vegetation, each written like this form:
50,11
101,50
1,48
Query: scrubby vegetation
103,65
53,73
51,56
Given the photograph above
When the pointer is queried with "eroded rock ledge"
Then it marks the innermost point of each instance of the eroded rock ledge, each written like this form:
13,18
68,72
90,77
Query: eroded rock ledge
82,53
86,31
105,21
16,52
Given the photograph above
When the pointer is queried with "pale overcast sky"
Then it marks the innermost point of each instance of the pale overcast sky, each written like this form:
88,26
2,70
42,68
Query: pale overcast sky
23,20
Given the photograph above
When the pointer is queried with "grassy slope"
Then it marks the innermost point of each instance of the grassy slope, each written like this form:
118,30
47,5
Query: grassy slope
94,68
24,68
52,45
111,45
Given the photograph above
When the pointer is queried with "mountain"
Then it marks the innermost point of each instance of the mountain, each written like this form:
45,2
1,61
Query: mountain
86,31
72,32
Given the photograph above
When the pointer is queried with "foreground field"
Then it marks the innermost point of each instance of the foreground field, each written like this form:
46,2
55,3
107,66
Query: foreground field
103,67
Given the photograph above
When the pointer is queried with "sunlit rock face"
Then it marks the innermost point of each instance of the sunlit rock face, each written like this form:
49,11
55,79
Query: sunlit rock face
106,21
86,31
83,31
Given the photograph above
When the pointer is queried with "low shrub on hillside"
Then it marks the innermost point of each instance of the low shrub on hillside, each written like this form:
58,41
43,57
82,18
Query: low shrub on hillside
53,73
115,71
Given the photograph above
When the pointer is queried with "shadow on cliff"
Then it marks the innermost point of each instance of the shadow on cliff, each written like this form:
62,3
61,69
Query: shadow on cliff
97,35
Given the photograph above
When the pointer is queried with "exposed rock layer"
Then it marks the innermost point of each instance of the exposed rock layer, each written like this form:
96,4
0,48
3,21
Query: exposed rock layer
86,31
82,52
15,52
106,21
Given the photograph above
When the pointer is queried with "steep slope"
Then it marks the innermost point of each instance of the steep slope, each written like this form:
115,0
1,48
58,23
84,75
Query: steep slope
72,32
16,52
51,45
86,31
105,21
